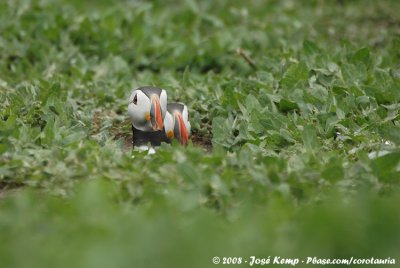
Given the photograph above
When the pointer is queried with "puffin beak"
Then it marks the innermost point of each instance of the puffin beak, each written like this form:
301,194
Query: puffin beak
180,130
155,114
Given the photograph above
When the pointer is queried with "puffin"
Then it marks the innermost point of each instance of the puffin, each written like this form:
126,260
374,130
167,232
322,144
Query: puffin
176,123
147,109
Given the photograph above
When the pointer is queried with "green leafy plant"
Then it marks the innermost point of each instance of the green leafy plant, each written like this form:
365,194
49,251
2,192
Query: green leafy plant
294,111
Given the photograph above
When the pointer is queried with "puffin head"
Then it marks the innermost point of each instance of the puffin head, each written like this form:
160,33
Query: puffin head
147,108
176,122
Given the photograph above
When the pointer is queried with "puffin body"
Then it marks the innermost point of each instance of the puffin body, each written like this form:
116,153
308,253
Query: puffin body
147,109
176,123
143,138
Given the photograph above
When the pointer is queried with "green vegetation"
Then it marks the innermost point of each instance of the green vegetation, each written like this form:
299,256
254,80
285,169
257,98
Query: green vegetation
295,116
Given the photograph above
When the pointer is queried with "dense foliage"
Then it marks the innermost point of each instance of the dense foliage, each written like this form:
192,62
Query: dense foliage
295,116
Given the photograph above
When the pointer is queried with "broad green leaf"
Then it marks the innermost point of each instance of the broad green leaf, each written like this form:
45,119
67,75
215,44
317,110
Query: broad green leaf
296,73
310,139
386,167
362,55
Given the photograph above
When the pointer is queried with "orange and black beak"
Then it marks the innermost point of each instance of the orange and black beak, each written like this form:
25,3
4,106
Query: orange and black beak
180,130
155,114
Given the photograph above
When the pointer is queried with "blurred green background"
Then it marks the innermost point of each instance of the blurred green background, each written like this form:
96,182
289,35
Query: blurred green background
294,109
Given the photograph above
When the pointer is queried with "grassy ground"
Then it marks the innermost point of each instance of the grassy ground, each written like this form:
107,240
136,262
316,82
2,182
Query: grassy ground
295,115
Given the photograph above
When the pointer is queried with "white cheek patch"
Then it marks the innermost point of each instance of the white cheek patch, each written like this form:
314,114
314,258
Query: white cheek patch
143,102
163,102
185,116
137,112
168,122
188,127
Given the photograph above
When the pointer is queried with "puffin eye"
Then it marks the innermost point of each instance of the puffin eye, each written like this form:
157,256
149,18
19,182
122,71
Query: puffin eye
135,99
